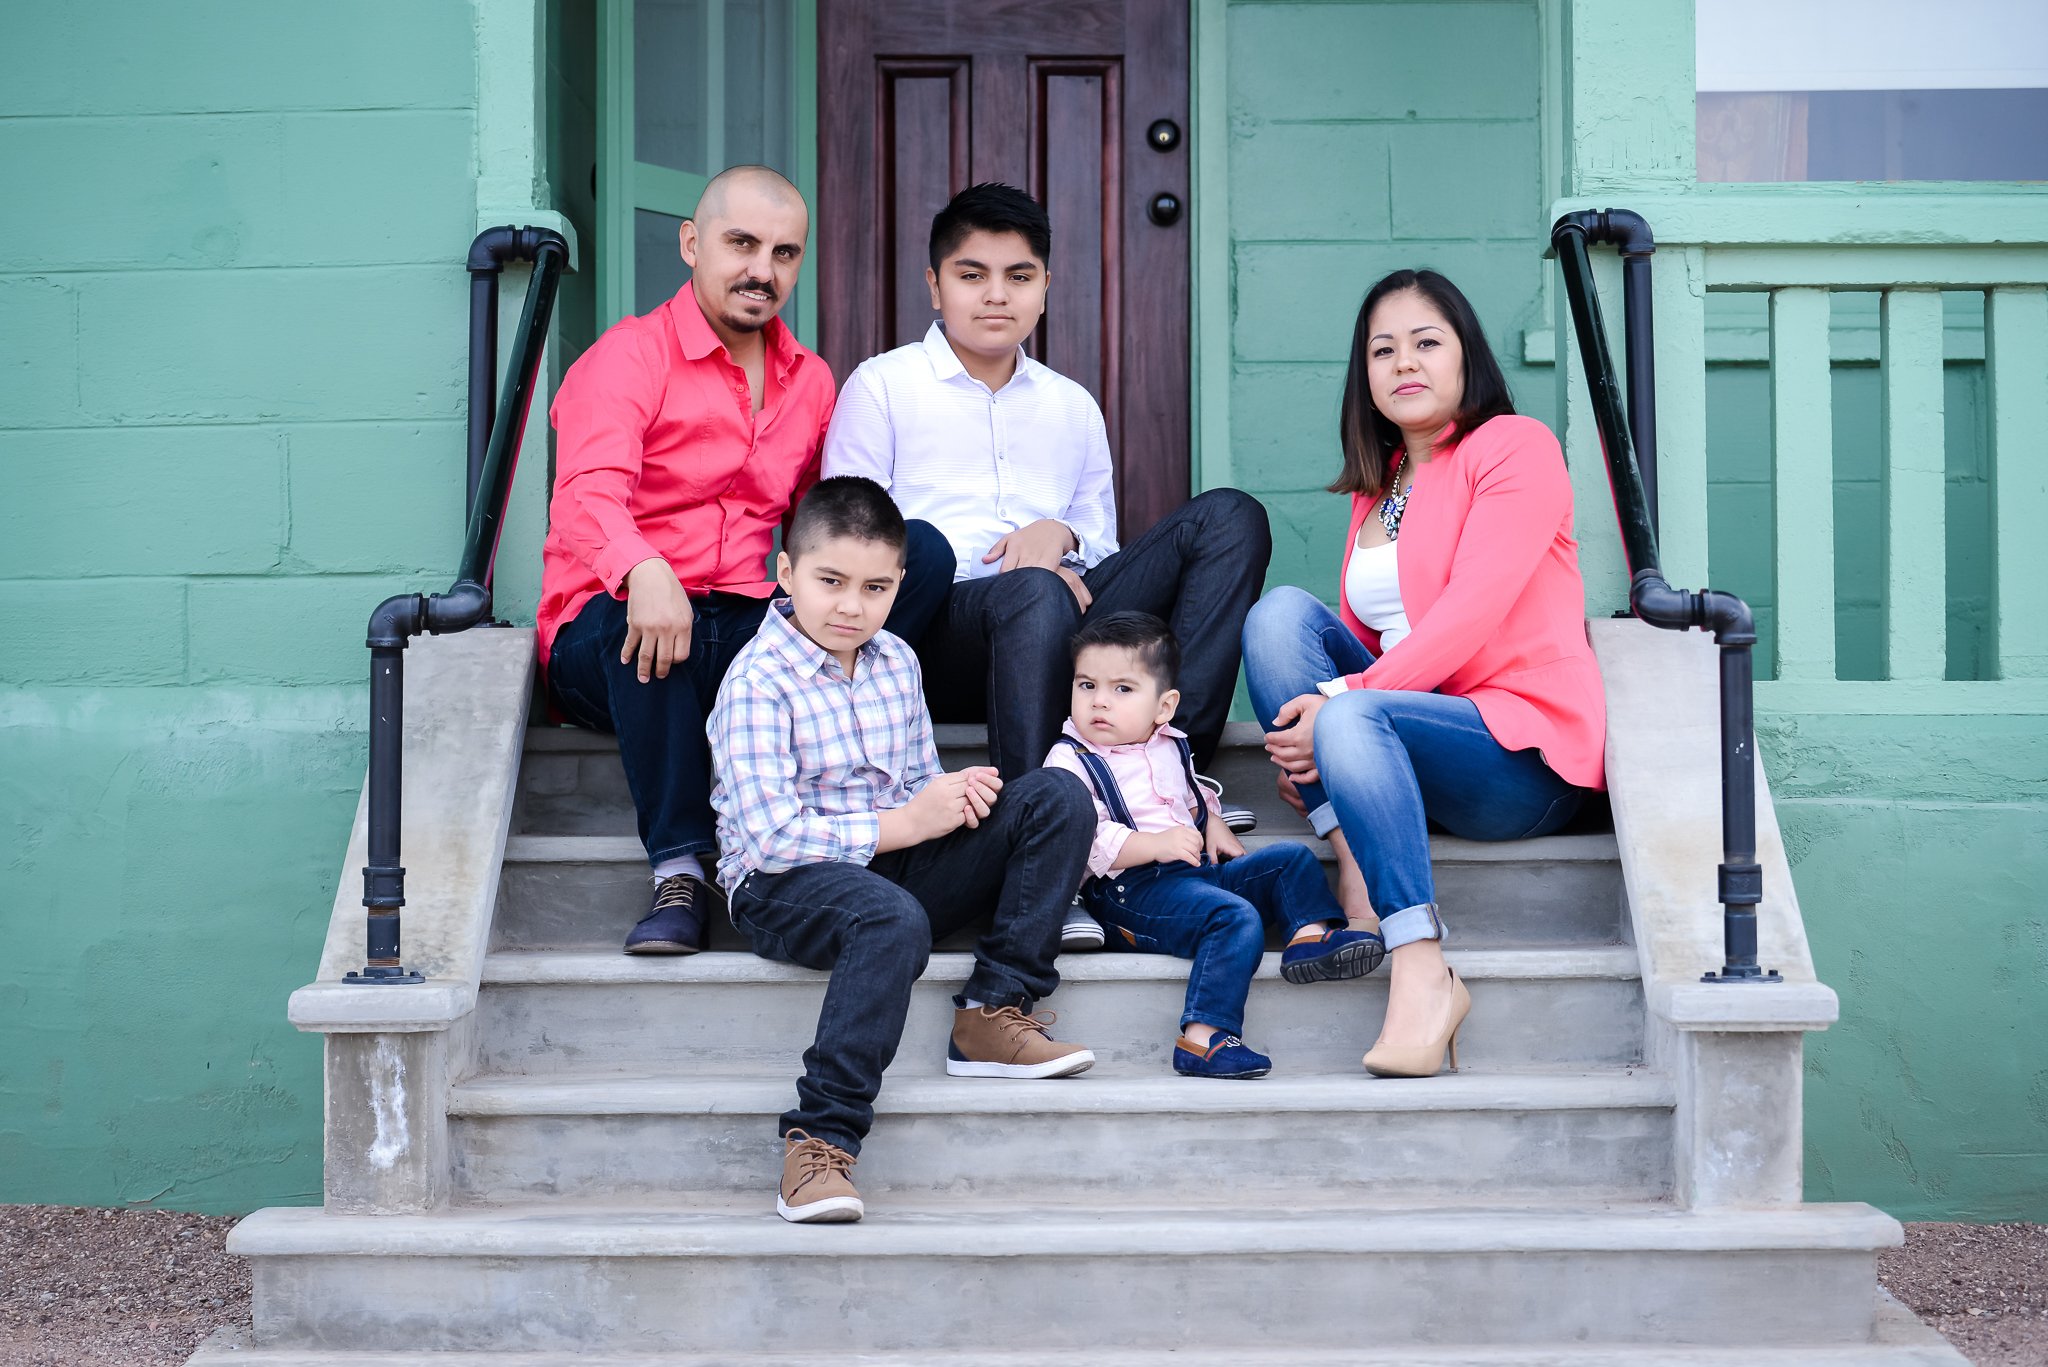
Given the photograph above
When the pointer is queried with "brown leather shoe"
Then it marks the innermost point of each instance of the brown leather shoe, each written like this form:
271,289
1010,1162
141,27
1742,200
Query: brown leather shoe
1001,1041
816,1188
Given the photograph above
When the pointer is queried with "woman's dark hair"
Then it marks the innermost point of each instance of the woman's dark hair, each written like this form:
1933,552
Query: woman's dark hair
1369,440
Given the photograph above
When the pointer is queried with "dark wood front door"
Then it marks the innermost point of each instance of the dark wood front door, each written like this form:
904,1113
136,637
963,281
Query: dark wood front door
917,99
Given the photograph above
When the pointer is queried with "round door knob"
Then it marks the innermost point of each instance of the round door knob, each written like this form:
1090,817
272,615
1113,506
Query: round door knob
1164,135
1164,209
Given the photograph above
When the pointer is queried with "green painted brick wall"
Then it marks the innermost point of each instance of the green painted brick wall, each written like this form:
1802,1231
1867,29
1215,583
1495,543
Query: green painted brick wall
1365,138
232,328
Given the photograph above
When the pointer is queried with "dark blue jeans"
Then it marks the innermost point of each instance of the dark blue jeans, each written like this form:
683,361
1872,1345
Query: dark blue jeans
660,723
994,649
872,928
1392,761
1217,916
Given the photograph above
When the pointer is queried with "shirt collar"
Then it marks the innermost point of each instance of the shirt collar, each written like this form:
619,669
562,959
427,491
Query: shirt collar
1166,733
946,363
806,656
694,334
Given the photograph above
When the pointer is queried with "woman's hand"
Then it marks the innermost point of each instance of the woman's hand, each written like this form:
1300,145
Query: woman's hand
1293,744
1291,795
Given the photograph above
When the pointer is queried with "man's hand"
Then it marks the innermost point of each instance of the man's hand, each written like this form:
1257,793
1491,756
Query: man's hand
1081,594
658,619
1223,842
1293,743
1041,545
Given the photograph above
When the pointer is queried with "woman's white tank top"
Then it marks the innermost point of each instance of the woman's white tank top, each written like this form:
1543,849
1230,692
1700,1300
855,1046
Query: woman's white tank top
1372,586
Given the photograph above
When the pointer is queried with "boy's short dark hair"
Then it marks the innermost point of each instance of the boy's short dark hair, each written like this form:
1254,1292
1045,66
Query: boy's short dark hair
845,505
991,207
1144,635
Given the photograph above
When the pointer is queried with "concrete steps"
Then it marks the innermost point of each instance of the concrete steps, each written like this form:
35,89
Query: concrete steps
611,1150
735,1013
672,1139
586,891
731,1277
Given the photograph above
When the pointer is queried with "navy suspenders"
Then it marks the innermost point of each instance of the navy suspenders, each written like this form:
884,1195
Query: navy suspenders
1104,784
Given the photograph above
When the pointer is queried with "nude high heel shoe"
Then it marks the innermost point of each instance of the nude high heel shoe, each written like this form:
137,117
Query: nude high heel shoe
1424,1060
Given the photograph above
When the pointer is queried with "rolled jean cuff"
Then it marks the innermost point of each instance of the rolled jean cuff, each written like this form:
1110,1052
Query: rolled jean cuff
1414,923
1324,819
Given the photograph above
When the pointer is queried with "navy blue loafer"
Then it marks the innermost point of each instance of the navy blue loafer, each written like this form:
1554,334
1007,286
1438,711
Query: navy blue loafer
1344,953
1222,1056
675,924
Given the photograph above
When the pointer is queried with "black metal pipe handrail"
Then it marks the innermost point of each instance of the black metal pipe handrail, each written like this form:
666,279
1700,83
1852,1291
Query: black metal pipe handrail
468,600
1739,883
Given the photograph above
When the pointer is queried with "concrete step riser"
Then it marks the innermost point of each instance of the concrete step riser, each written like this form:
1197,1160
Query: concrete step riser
1070,1159
781,1303
572,793
550,905
765,1027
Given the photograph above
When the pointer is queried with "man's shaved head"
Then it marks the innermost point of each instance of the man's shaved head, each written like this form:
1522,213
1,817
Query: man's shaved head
743,247
717,200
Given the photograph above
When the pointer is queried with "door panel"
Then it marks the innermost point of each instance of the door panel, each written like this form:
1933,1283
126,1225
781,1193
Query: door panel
920,98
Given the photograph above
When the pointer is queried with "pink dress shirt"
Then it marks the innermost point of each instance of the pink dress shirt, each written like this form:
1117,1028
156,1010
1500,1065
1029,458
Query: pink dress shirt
659,452
1154,784
1490,580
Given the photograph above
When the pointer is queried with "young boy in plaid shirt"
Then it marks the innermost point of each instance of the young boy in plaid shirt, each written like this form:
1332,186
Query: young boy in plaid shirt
845,847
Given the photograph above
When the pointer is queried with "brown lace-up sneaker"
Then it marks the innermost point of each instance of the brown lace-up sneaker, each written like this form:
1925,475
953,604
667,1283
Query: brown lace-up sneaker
815,1186
1001,1041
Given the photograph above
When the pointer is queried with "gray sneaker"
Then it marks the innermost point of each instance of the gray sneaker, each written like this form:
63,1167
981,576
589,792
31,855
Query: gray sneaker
1080,930
1241,820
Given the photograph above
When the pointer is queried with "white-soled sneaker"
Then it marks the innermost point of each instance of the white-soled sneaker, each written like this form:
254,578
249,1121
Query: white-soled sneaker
1241,820
1080,930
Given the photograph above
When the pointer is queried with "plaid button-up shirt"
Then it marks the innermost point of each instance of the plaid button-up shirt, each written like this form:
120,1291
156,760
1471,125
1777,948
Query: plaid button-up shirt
806,759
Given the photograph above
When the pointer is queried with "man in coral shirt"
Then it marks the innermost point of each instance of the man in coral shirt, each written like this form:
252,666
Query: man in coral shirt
683,438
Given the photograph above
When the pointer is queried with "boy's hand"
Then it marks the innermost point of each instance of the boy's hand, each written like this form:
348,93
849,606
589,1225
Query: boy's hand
1223,842
1080,588
658,619
984,782
1292,743
1039,545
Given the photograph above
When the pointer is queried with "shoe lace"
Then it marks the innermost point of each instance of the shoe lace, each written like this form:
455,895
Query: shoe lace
1013,1022
816,1158
676,890
1212,784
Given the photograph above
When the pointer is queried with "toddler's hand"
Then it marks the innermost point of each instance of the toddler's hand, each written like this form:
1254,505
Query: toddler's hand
1223,842
1181,845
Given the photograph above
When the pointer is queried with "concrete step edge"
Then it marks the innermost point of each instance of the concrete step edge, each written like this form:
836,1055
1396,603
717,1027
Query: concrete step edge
574,740
592,1094
569,967
1597,848
738,1227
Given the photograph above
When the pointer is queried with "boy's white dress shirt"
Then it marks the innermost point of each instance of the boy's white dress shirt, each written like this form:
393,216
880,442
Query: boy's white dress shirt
977,463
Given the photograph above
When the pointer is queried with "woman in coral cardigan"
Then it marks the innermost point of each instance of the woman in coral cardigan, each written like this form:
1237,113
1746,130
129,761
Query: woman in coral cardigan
1455,683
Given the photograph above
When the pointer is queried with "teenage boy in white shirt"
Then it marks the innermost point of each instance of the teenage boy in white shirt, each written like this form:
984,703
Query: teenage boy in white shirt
1003,465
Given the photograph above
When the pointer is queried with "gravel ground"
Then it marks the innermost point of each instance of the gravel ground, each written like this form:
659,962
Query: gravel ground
1985,1287
141,1288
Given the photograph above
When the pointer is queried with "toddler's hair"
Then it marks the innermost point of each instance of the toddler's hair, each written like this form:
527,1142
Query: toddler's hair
845,505
1144,635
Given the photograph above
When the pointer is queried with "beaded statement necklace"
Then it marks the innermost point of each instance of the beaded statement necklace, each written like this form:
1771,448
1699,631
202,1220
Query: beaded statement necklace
1395,503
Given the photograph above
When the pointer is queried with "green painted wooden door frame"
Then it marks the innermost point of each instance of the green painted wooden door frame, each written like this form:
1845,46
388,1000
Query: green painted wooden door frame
626,184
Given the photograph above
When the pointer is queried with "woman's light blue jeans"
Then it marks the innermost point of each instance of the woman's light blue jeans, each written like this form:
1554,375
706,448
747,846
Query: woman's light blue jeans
1391,761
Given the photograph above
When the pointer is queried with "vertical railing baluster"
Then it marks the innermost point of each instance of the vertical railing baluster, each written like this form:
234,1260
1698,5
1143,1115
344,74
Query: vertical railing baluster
1803,479
1681,296
1916,520
2015,363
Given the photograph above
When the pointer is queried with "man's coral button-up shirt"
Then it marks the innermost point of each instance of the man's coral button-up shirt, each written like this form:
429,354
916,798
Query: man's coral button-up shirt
659,452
